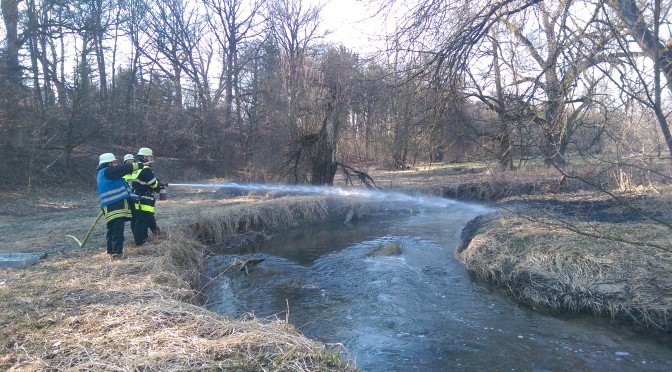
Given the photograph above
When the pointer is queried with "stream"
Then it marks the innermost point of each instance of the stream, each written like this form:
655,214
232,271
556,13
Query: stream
418,310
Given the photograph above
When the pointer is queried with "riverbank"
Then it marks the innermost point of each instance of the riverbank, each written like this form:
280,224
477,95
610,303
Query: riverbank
580,254
562,246
78,310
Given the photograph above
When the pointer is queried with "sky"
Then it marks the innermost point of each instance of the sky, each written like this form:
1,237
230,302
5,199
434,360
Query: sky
351,23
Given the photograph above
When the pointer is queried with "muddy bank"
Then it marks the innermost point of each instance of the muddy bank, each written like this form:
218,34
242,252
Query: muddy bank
579,253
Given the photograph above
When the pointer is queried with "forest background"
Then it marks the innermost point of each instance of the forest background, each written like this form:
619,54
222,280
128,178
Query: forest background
251,90
576,91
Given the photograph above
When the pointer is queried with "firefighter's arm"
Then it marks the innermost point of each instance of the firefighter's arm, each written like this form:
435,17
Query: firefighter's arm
121,170
154,185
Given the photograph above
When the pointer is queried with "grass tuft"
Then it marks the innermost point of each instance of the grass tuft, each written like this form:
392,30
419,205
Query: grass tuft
389,249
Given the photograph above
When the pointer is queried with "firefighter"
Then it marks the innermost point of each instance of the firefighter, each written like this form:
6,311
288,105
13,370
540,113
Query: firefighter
115,199
130,158
145,185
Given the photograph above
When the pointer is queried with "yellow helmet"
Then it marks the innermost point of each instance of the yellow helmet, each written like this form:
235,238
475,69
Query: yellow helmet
106,158
145,151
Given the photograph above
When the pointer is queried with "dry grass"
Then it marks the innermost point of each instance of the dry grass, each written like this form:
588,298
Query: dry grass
77,310
552,267
484,183
489,183
212,226
568,247
390,249
80,311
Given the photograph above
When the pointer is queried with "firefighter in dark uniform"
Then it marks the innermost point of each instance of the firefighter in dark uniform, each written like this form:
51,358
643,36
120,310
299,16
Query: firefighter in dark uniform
115,199
145,185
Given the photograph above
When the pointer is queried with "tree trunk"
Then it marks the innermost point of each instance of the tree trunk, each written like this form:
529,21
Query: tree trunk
324,158
504,138
34,52
98,37
649,41
13,135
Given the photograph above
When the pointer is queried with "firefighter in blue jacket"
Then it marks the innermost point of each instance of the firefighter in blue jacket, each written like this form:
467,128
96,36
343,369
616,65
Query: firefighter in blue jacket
115,199
145,185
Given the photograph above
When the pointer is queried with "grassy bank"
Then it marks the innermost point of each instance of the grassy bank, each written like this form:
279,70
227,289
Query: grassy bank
554,245
76,309
545,264
561,245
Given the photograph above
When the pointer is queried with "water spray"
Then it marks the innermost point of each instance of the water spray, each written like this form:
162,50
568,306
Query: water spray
382,196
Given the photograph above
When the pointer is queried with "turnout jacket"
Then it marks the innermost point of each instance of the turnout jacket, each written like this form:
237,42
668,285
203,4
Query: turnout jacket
114,195
145,185
129,180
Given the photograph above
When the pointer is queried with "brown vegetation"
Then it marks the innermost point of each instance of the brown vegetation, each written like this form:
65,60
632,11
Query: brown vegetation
560,251
559,244
79,310
578,253
390,249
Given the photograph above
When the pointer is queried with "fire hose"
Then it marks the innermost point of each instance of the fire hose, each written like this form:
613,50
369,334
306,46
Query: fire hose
88,233
162,196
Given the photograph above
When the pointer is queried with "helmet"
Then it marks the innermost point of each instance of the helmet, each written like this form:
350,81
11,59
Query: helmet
145,151
128,157
106,158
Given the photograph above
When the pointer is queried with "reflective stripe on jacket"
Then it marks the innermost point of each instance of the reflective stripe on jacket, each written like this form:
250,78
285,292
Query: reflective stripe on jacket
141,186
146,203
145,185
129,180
110,191
120,209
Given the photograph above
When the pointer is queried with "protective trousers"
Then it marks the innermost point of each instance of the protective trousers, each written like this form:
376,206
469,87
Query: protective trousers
115,236
135,213
144,221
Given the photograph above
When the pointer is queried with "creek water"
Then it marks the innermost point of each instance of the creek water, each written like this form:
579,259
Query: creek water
418,310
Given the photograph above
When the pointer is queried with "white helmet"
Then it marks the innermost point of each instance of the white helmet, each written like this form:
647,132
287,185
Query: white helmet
128,157
145,151
106,158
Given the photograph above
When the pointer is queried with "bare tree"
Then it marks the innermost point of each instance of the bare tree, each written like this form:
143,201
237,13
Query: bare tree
11,131
232,22
178,47
555,54
294,28
469,23
643,21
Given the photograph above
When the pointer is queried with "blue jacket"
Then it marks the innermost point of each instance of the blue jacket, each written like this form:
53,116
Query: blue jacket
111,186
114,194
